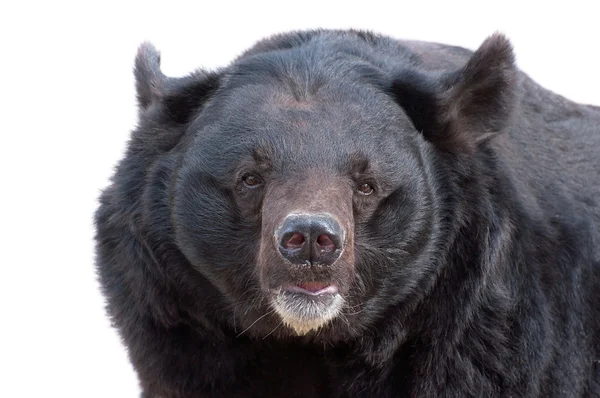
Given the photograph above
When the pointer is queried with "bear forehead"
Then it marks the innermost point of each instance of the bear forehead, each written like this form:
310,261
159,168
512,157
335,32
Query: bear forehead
273,110
323,82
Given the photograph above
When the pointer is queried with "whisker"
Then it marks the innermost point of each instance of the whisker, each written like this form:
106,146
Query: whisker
355,312
234,323
345,320
253,323
276,327
238,302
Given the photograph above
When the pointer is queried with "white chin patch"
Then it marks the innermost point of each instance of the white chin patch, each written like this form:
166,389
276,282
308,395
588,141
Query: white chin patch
304,313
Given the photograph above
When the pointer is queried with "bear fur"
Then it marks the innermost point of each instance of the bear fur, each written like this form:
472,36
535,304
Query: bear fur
468,197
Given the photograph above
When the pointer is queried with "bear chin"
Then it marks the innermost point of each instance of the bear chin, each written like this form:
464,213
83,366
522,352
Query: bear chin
303,313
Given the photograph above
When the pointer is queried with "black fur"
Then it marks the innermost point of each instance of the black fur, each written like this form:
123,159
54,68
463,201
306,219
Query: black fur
475,262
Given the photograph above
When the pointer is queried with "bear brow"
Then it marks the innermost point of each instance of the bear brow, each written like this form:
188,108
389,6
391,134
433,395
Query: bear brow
358,163
262,157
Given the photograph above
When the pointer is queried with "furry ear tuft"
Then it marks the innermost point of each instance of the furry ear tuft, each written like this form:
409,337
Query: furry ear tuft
481,96
176,98
150,82
458,110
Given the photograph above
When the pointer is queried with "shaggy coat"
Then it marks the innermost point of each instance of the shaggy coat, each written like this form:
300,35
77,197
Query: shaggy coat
456,205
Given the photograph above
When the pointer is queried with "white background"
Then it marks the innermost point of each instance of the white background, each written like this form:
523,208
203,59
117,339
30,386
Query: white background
67,106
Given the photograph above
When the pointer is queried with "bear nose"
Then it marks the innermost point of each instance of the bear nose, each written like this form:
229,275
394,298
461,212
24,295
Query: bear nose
310,239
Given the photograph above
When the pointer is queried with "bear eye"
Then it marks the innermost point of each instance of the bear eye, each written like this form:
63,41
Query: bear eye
251,181
365,189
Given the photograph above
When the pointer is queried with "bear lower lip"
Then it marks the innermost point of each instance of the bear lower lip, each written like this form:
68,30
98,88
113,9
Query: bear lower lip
313,288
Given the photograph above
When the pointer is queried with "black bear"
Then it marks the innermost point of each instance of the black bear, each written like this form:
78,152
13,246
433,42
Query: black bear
341,214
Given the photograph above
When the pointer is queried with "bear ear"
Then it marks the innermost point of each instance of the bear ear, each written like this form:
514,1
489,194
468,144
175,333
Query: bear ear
179,98
458,110
149,80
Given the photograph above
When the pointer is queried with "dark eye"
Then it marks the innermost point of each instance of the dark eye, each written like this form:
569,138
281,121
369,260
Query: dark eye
251,181
365,189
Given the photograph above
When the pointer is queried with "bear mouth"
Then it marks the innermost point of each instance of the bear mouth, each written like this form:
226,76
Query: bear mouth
307,306
312,288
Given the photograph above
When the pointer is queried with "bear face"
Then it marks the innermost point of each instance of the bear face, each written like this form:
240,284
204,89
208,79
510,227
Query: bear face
265,153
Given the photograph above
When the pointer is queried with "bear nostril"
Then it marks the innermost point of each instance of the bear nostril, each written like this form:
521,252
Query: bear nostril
294,242
310,239
325,243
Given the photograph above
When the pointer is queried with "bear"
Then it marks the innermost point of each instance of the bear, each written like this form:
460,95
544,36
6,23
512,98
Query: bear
338,213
